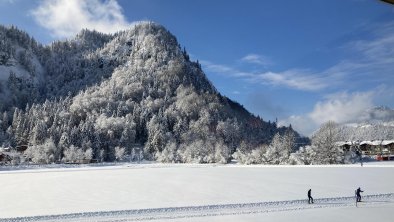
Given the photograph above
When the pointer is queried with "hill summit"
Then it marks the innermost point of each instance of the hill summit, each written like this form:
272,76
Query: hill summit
99,96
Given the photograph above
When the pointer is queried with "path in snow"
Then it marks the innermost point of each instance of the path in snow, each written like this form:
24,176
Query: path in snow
211,210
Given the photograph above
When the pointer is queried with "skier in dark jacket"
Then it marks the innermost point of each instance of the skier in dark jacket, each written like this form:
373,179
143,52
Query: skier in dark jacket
310,199
358,194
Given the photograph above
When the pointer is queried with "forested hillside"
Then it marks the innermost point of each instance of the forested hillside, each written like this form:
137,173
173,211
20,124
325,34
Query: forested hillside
101,97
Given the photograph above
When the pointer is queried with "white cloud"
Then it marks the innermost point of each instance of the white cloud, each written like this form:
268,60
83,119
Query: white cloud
225,70
341,107
380,46
256,59
295,79
65,18
302,124
374,57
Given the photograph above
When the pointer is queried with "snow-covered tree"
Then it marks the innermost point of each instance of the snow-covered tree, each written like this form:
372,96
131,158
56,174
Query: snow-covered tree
119,153
222,152
275,153
73,154
280,148
169,154
324,140
38,134
42,153
306,155
88,155
62,146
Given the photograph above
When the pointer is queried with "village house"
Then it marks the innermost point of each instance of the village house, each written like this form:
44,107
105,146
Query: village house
379,149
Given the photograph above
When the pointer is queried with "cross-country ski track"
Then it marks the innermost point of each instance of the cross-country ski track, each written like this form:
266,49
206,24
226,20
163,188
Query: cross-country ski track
197,193
211,210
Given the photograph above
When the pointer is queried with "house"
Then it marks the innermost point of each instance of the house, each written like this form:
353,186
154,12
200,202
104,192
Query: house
5,157
346,146
388,144
11,155
383,149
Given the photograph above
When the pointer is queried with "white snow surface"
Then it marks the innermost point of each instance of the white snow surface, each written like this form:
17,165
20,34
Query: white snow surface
187,192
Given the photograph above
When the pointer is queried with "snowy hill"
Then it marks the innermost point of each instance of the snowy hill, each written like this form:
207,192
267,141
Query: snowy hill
21,72
100,96
374,124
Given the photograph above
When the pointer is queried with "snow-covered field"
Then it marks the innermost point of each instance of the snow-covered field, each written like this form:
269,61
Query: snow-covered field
170,192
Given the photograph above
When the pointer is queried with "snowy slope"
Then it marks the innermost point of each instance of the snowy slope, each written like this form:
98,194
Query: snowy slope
21,68
191,192
21,72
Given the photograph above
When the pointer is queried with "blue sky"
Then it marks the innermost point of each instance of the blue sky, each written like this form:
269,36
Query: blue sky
303,62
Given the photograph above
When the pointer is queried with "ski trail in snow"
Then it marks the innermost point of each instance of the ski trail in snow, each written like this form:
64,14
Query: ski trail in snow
209,210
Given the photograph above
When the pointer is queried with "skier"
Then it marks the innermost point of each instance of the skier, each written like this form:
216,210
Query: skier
310,199
358,194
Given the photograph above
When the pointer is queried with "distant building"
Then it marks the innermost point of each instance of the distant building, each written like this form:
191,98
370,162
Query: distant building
380,149
6,156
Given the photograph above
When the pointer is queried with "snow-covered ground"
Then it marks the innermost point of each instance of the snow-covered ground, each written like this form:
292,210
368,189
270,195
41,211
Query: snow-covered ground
171,192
